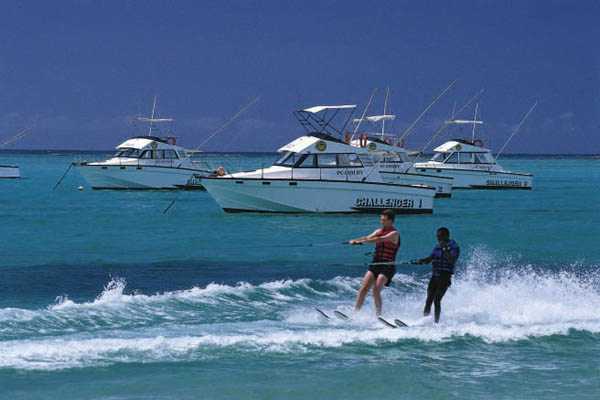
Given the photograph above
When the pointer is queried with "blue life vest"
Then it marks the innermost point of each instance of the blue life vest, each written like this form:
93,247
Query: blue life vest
440,264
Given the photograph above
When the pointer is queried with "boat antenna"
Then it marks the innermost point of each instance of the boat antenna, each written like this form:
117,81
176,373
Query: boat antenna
446,123
230,120
387,93
516,129
474,122
363,114
407,131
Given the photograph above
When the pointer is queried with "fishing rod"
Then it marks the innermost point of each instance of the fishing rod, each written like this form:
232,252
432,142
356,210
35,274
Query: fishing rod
219,129
63,177
446,123
408,130
516,129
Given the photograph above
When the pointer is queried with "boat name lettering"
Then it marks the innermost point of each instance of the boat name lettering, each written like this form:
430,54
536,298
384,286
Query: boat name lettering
499,182
349,172
374,202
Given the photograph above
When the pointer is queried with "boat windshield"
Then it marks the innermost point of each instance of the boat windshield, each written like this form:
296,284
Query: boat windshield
129,153
438,157
288,159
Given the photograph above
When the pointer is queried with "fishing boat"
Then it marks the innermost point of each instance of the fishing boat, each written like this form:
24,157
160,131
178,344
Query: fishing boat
473,166
145,162
9,171
318,172
13,171
392,160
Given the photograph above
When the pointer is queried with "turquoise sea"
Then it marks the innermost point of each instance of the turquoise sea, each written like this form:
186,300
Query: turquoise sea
102,296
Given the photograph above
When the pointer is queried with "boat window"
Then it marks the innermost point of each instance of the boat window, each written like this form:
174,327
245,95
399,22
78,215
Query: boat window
133,153
366,160
170,154
392,157
181,154
438,157
287,160
146,154
327,160
307,161
485,158
157,154
452,159
281,159
348,160
466,158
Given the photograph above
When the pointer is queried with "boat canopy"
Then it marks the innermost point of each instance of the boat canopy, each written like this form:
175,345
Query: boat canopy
460,146
147,142
376,118
316,109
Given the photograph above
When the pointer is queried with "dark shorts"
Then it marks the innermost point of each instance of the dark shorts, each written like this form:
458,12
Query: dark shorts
440,282
386,269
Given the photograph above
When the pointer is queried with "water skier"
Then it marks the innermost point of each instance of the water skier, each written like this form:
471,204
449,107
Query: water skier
387,243
443,258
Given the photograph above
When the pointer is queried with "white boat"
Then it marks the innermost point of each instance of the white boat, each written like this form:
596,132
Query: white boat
392,160
318,173
145,162
473,166
12,171
9,171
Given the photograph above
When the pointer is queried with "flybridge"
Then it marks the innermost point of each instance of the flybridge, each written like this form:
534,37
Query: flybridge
319,119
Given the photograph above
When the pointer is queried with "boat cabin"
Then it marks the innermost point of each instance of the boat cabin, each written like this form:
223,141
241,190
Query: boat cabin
464,152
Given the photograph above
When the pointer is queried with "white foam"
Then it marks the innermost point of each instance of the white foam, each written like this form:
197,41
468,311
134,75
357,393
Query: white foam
491,299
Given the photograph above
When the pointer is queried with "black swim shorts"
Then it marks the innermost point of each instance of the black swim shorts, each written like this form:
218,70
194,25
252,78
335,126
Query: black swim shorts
386,269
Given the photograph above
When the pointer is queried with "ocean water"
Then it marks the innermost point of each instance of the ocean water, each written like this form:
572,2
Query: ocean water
104,296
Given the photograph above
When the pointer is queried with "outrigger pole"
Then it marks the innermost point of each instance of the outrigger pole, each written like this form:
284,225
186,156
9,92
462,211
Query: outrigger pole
407,131
516,129
362,117
18,136
446,123
230,120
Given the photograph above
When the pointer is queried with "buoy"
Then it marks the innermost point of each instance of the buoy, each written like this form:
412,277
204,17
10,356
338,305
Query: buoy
80,188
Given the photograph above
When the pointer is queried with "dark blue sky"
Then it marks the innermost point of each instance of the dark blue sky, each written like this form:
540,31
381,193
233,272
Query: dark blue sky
80,70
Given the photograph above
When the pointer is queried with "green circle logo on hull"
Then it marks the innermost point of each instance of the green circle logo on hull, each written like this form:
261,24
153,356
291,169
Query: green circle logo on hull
321,145
154,145
372,146
458,147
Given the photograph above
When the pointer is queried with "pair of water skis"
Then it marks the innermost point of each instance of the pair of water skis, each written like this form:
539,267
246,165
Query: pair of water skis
397,323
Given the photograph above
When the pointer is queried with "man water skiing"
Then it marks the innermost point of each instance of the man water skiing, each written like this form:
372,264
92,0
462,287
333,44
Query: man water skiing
443,258
387,243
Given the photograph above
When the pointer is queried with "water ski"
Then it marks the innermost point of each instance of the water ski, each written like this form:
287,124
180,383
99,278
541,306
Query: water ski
322,313
400,323
386,323
340,315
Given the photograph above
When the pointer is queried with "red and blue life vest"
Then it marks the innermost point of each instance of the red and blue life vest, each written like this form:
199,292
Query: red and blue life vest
386,251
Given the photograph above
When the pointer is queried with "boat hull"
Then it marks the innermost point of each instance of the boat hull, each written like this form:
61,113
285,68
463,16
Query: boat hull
482,179
442,184
132,177
9,171
317,196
